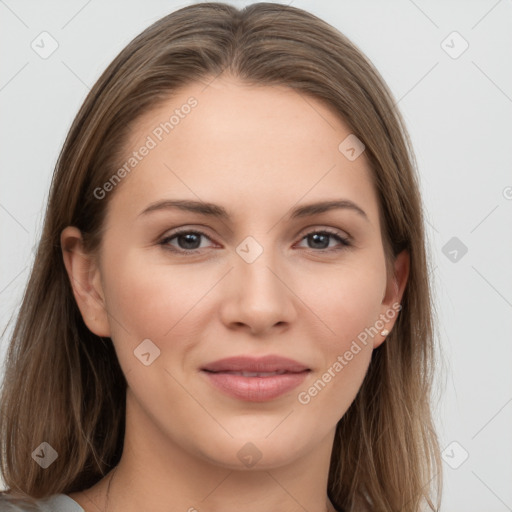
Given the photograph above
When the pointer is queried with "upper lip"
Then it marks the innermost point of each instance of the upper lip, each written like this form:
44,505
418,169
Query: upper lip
271,363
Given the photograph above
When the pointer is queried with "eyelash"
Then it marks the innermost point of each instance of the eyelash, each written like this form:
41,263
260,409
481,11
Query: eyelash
345,242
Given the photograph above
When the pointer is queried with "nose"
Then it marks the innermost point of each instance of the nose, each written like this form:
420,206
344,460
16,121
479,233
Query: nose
259,297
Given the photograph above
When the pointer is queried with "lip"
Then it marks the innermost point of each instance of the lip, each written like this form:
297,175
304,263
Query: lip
238,376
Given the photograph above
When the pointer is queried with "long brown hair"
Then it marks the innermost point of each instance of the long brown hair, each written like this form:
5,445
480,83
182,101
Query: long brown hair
63,385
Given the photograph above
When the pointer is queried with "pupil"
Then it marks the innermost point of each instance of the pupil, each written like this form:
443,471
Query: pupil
321,239
191,241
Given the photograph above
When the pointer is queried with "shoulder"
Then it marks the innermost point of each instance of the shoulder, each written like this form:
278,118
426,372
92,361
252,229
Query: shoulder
56,503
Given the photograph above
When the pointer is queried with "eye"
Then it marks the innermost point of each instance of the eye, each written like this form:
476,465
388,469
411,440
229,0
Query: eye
321,240
189,242
186,241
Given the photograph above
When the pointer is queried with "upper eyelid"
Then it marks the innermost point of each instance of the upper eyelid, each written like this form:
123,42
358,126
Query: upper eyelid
203,231
303,233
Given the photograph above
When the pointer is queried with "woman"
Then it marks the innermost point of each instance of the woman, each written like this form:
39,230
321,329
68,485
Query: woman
229,307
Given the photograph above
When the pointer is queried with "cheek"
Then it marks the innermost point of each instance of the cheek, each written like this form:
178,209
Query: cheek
161,304
332,390
151,302
348,302
152,296
347,298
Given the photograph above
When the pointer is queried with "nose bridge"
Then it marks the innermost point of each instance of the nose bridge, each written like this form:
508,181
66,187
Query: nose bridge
259,299
256,268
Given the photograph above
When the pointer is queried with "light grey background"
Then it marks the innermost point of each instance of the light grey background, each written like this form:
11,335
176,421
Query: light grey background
459,113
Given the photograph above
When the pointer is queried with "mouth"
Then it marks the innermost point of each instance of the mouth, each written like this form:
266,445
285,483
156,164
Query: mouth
255,379
254,374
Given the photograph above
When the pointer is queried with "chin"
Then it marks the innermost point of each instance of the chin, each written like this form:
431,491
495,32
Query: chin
256,450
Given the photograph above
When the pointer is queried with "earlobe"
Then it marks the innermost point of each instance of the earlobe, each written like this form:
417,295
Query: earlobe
84,277
393,295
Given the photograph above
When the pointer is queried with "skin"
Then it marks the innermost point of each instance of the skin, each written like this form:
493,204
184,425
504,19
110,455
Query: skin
258,151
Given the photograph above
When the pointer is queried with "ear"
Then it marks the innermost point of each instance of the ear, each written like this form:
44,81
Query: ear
393,295
85,279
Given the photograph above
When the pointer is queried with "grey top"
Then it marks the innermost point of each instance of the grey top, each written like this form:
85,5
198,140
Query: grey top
55,503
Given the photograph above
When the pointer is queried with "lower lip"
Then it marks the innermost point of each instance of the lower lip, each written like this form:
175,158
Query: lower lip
256,389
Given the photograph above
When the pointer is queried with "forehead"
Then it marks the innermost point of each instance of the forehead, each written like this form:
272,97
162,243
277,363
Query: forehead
270,145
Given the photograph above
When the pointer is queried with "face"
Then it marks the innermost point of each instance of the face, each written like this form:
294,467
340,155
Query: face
239,312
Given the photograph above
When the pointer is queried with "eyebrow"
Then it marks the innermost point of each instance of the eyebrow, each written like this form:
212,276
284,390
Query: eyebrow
214,210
